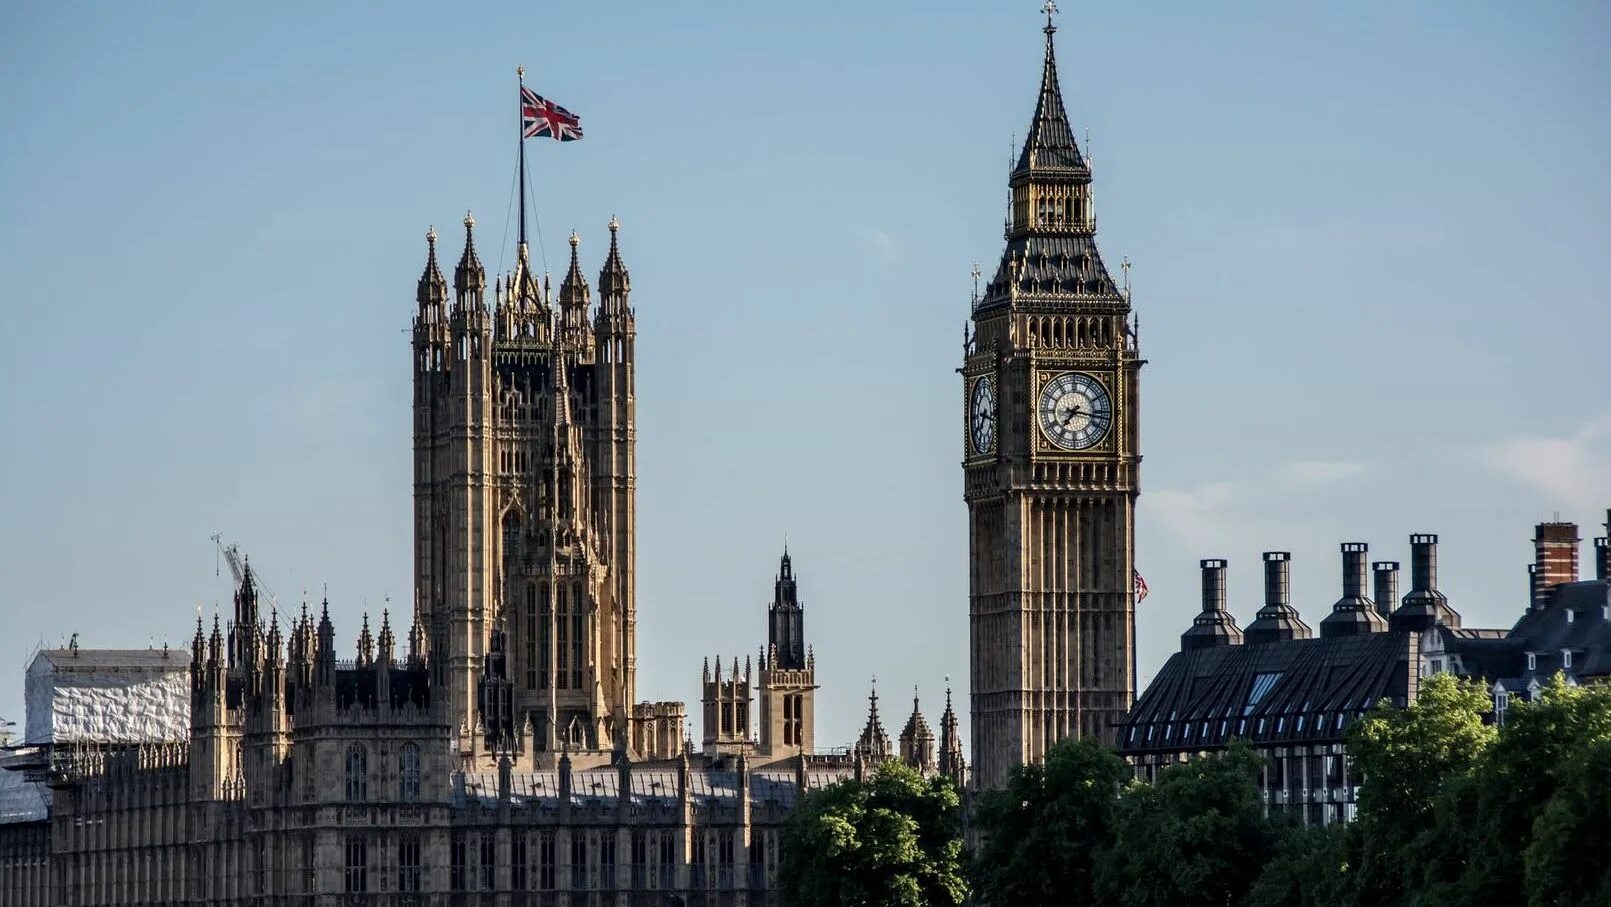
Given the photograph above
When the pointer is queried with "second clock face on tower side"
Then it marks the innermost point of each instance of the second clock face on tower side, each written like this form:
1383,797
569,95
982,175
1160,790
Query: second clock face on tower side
982,415
1075,411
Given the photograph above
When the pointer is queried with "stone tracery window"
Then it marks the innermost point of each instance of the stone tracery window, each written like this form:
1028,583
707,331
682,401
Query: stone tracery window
357,773
408,773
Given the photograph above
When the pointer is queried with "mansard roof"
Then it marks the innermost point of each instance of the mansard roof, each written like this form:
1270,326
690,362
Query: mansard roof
1296,690
1545,633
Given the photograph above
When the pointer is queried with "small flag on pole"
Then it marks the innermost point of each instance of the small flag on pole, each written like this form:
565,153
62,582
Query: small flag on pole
539,116
1141,587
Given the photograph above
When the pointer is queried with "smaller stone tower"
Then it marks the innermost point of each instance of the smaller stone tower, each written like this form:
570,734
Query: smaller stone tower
727,709
787,682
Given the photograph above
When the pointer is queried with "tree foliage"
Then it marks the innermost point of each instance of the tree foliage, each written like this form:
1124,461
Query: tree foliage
1452,810
1407,758
893,840
1190,837
1041,836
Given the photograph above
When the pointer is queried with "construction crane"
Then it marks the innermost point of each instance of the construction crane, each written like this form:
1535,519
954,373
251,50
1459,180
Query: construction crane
231,554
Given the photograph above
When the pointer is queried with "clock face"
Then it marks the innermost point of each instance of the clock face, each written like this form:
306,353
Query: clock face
1075,411
982,416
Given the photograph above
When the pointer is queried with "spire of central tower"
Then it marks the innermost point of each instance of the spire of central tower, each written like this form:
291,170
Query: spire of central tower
1051,251
1050,142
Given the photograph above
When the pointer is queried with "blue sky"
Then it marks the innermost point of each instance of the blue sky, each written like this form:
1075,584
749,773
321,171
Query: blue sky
1370,264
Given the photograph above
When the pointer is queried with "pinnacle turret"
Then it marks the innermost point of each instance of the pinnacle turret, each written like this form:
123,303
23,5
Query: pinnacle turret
873,745
952,764
917,739
366,645
614,281
432,286
469,276
574,294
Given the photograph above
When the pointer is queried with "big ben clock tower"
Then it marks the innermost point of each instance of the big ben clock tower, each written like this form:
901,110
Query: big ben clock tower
1051,463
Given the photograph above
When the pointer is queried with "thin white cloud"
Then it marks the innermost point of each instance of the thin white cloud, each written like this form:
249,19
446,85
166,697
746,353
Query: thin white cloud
1320,472
1575,471
881,244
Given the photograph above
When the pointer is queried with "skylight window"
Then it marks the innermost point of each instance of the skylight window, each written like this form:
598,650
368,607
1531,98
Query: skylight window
1262,684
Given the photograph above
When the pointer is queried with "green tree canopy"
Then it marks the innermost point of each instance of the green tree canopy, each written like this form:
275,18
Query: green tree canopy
1196,835
1041,836
1406,759
893,840
1485,814
1567,862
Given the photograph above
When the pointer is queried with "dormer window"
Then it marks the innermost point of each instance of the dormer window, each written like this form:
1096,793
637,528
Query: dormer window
1532,661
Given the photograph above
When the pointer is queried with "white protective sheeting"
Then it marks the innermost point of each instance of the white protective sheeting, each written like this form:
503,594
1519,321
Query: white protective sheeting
108,696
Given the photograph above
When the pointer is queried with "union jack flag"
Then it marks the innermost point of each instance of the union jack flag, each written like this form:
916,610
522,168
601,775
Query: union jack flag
1141,587
539,116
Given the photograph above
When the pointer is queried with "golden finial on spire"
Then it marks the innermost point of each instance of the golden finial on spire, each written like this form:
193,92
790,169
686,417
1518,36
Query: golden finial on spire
430,236
469,219
575,240
615,225
1050,9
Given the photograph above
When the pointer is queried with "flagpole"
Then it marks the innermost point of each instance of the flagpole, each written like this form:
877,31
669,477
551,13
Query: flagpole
520,130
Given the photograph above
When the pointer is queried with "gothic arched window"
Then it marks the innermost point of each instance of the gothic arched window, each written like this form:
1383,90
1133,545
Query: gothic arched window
357,773
408,773
511,535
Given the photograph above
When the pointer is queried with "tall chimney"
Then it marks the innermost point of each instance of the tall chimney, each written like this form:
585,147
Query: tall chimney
1423,563
1277,620
1353,614
1213,626
1602,558
1386,586
1424,607
1213,584
1555,556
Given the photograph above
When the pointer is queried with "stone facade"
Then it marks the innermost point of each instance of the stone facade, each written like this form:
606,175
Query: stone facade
1051,457
492,756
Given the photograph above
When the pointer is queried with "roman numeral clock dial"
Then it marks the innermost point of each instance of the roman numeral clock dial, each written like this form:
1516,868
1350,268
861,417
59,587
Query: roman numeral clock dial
1075,411
982,415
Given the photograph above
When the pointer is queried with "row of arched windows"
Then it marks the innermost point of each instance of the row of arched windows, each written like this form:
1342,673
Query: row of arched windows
408,773
1078,333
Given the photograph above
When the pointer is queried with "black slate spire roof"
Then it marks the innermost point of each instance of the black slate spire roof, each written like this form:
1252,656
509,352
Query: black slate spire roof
1050,142
1042,261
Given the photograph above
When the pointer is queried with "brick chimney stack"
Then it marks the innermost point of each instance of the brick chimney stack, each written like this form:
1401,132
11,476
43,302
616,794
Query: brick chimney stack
1554,558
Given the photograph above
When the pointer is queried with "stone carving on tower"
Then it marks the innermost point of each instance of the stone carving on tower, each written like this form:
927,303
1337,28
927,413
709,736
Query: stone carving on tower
525,517
1051,465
